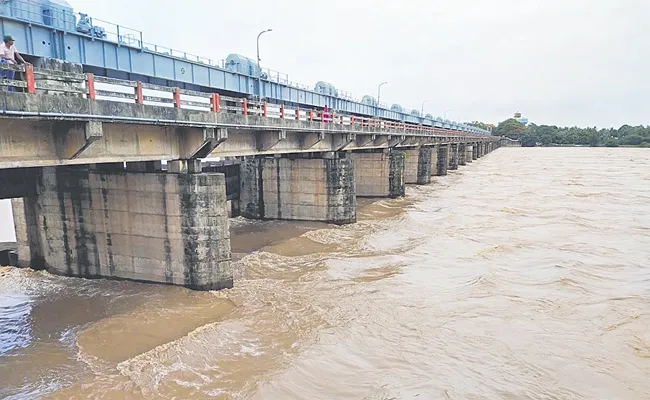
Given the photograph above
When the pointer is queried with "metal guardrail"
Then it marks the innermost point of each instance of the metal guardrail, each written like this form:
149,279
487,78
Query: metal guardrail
119,90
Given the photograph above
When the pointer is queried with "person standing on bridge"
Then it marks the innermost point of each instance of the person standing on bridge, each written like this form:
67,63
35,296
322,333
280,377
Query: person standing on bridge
325,114
9,54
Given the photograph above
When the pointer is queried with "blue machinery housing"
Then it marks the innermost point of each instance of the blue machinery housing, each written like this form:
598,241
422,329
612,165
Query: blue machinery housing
51,29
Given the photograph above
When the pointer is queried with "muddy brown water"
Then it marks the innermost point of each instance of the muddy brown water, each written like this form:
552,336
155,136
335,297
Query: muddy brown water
525,275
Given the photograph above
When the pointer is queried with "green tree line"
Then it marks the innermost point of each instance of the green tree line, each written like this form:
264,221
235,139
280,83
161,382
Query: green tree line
551,135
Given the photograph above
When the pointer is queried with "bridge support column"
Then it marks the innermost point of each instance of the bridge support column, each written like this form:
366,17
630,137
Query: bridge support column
469,153
453,156
443,159
475,151
462,151
309,189
434,160
27,230
380,174
153,227
418,166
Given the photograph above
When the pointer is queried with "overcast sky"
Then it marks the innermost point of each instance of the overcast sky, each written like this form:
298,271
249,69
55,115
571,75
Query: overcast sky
564,62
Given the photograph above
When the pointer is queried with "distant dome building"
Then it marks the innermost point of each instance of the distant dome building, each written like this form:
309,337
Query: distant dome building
521,119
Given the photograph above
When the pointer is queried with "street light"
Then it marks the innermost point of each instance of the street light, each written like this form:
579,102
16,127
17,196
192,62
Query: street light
379,94
422,108
445,117
259,68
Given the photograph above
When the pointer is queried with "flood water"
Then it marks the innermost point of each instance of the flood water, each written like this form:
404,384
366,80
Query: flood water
525,275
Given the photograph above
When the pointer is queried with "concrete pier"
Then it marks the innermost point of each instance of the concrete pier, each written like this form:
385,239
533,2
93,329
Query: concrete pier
153,227
453,156
443,159
310,189
469,152
380,174
434,160
462,151
418,165
475,151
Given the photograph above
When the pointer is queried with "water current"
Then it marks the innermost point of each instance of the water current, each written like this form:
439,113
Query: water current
525,275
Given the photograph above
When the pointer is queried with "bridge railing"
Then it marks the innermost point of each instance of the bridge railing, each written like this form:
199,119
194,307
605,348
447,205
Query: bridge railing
7,77
119,90
37,80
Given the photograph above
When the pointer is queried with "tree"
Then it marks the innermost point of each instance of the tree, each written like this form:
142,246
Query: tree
633,140
509,128
480,125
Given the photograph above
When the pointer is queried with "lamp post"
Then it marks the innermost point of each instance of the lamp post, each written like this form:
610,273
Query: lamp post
379,94
445,117
422,108
259,68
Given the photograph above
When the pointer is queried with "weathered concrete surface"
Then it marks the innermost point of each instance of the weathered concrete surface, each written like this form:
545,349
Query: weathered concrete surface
434,160
425,165
371,171
443,159
396,181
309,189
453,156
469,151
411,157
154,227
380,174
461,154
28,236
418,165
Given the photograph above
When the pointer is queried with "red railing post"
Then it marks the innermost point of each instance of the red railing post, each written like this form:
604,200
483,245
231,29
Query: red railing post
90,85
352,120
214,102
264,109
298,114
282,111
311,115
341,120
29,78
177,97
245,106
139,98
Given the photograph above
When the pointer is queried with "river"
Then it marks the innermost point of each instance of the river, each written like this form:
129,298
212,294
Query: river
525,275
